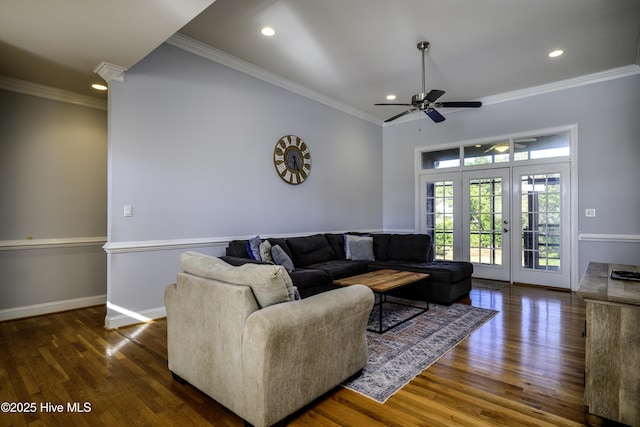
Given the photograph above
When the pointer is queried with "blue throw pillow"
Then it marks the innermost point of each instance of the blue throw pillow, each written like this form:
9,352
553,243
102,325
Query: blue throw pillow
280,257
254,244
249,251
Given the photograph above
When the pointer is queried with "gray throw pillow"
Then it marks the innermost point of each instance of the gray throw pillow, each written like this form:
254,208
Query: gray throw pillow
361,248
280,257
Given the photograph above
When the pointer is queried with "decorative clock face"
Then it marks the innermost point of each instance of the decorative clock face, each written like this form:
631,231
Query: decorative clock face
292,159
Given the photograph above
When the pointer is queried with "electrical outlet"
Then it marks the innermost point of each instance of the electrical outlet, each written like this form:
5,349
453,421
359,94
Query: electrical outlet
590,213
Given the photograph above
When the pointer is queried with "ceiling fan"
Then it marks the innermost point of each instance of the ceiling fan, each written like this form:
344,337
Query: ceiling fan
427,101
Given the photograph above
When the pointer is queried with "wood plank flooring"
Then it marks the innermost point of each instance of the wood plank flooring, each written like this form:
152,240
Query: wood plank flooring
524,367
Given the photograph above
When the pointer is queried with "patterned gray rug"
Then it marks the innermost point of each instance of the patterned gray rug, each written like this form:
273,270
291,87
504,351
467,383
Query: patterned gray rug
399,355
488,284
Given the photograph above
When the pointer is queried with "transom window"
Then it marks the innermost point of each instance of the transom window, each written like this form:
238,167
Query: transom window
502,151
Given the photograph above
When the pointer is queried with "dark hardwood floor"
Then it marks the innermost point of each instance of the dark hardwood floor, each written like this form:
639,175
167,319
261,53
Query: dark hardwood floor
524,367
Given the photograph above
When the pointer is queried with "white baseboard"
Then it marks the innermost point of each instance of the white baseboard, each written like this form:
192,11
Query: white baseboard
120,320
51,307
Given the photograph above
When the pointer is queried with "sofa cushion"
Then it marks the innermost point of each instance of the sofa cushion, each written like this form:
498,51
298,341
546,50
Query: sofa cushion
338,269
270,283
310,250
439,271
358,247
409,247
238,248
305,278
336,241
381,246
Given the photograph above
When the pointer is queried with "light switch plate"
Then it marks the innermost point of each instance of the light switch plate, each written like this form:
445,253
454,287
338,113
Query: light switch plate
589,212
128,210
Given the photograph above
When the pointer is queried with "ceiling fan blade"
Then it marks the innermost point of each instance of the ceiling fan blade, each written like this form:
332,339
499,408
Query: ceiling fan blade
434,94
400,115
434,115
406,105
460,104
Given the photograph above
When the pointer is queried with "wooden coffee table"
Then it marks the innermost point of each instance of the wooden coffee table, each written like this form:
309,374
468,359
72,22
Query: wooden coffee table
383,281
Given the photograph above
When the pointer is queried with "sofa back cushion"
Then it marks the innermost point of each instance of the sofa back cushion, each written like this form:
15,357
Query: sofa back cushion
238,248
310,250
410,247
270,284
381,246
336,241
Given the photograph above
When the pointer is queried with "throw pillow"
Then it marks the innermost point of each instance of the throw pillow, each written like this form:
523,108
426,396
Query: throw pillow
265,252
270,283
362,245
250,252
360,248
254,243
280,257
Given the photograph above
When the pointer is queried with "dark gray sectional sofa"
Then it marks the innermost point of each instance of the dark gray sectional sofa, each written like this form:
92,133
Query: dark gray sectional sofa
320,259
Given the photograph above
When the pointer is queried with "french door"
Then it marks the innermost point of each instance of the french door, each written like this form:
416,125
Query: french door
485,225
541,211
512,223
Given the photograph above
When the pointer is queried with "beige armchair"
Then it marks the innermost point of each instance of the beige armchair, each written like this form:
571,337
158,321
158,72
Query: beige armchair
236,334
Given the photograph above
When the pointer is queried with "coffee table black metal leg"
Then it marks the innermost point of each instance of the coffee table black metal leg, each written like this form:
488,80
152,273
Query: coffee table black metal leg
380,312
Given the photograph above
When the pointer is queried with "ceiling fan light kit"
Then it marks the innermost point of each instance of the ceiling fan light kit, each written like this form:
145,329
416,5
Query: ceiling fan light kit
426,102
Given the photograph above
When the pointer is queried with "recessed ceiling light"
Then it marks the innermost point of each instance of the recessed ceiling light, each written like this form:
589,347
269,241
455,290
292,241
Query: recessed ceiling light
98,86
268,32
391,97
556,53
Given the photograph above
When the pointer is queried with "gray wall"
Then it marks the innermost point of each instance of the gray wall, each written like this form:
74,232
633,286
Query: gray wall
53,178
191,150
608,154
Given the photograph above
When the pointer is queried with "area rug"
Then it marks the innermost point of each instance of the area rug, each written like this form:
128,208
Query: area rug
399,355
487,284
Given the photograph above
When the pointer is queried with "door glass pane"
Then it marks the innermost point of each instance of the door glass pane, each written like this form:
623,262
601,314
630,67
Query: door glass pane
485,221
541,204
439,221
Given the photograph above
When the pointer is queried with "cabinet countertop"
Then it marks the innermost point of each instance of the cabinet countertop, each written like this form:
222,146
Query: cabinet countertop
596,284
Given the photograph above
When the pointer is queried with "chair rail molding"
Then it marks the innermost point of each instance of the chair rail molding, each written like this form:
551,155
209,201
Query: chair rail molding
620,238
52,243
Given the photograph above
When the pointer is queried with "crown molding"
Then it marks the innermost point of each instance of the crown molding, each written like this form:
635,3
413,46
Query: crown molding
197,48
587,79
48,92
205,51
110,72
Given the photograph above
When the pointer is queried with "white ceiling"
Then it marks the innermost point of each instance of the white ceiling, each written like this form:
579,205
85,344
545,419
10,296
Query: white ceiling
59,43
352,51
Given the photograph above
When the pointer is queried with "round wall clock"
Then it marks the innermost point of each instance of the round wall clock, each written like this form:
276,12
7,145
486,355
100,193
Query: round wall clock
292,159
